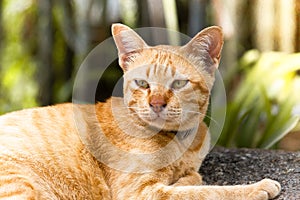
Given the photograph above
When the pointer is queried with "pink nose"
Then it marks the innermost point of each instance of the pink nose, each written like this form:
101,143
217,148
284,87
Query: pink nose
157,103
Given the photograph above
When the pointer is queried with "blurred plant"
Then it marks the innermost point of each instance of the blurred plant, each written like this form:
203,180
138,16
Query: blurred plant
262,110
17,88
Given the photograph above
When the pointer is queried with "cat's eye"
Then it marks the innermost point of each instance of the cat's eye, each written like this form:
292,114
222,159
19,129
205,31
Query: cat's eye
142,83
178,84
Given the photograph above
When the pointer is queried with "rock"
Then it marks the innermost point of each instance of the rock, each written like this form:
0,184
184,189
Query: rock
243,166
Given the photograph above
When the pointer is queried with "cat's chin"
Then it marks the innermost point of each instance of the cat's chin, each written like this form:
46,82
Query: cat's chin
161,124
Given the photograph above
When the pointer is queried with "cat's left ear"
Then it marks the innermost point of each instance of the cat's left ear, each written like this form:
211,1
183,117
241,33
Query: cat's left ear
128,42
206,46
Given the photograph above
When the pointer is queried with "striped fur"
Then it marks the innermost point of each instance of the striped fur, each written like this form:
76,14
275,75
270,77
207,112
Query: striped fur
148,145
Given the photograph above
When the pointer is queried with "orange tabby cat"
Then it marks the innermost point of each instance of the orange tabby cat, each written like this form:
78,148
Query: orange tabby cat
148,145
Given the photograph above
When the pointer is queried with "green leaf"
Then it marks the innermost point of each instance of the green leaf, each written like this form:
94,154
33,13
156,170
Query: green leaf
280,133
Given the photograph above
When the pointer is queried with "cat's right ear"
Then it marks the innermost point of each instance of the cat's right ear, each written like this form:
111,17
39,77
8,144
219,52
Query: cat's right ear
206,46
128,43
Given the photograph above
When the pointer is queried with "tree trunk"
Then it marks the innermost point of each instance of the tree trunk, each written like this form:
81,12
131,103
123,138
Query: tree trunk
156,13
297,42
156,16
82,40
1,31
197,16
45,73
275,25
286,30
67,23
143,13
264,29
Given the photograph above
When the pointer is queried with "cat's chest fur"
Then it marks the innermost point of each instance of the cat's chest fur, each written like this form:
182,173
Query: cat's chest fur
124,144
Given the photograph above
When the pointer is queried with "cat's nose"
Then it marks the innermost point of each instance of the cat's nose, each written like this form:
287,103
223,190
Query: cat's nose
157,103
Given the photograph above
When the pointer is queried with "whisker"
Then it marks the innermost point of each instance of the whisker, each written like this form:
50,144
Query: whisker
209,117
177,120
134,107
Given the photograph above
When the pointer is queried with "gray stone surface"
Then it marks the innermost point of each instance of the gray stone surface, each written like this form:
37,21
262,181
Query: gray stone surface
242,166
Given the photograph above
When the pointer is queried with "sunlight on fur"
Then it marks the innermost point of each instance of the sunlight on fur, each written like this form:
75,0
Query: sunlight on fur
147,145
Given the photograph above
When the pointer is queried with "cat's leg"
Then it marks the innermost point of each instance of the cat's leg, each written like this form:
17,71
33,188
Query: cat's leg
191,178
262,190
16,181
16,186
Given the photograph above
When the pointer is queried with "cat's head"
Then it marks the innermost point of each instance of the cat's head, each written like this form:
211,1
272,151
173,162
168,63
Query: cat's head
168,86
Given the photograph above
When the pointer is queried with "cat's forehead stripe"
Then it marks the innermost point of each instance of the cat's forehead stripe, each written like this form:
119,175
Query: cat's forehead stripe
155,68
161,59
148,71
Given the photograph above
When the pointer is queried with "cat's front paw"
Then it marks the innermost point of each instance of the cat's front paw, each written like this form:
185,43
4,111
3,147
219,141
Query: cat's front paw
265,189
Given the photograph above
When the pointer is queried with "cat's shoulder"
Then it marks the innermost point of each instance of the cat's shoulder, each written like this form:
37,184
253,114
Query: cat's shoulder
56,115
36,110
63,110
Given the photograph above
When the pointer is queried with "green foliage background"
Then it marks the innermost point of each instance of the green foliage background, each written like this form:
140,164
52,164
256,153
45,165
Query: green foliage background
18,88
260,113
262,87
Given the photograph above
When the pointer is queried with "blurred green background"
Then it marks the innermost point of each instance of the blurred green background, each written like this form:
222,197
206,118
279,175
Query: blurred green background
43,42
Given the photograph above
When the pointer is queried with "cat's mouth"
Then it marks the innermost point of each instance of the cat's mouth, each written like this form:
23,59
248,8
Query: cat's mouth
160,118
168,119
165,118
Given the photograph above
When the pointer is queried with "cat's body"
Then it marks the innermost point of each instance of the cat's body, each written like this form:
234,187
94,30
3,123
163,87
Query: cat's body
52,162
44,158
148,145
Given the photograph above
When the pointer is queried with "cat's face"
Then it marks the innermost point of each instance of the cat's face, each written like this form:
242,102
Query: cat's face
165,87
164,90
